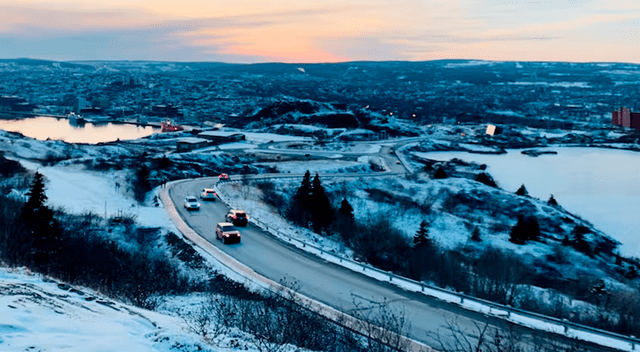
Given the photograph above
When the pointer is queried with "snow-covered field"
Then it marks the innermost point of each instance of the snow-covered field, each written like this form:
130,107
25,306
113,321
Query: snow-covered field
79,191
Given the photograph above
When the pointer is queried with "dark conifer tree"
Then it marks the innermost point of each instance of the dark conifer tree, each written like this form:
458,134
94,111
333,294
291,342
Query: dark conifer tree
526,229
485,178
36,195
44,232
321,208
517,234
303,195
421,237
164,162
475,235
440,173
423,253
522,191
300,206
346,209
533,229
579,242
141,184
344,223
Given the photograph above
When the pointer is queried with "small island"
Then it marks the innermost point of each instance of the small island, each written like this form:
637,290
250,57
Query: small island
537,152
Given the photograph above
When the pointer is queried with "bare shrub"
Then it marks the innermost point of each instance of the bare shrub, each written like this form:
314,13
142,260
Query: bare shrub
199,320
500,227
495,336
382,245
426,206
499,276
382,326
559,254
626,304
270,195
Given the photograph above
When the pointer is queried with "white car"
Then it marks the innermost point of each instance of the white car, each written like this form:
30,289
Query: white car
208,194
191,203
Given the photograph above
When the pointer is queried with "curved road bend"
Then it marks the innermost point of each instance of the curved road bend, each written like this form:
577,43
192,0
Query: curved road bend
320,280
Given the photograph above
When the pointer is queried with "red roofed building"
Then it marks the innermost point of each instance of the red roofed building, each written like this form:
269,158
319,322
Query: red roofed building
625,118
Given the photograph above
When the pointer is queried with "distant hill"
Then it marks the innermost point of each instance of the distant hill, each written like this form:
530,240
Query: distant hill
48,63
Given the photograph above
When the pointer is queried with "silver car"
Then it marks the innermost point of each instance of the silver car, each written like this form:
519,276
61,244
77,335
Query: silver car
208,194
191,203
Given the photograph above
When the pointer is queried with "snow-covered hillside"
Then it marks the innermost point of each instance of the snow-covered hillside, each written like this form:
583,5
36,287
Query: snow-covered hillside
39,314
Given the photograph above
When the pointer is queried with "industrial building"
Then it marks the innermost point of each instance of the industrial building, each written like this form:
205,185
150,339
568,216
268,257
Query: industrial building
220,137
190,143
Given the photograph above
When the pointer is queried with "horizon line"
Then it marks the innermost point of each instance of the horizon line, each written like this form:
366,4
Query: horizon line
319,62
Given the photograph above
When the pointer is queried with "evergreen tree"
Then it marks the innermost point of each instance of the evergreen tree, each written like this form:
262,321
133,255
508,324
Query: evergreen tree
346,209
522,191
36,195
533,229
423,253
517,234
164,162
526,229
141,184
300,207
485,178
552,201
321,209
475,235
303,194
440,173
422,236
44,232
344,223
579,242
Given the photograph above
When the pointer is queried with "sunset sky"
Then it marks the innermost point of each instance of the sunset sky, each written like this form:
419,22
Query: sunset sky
248,31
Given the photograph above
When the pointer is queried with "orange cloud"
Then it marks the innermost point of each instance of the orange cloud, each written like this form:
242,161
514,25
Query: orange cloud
332,30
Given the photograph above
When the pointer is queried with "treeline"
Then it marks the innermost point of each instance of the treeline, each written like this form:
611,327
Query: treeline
74,248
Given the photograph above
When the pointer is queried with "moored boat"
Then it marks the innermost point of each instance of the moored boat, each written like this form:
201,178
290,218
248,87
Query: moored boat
168,126
75,118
